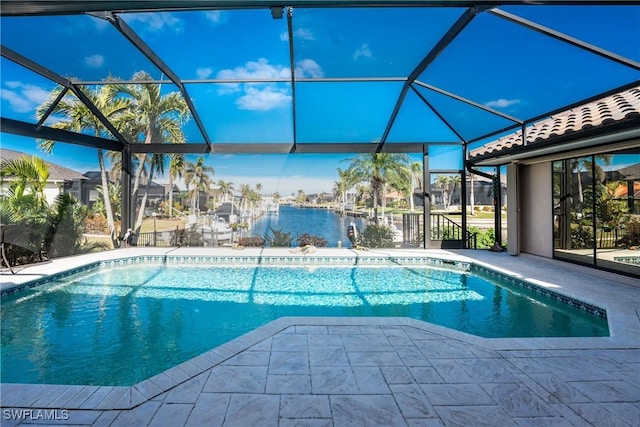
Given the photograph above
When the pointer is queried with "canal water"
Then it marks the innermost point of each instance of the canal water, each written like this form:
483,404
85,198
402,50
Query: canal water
317,222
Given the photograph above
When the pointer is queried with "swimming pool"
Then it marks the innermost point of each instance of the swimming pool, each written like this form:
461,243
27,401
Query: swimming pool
122,322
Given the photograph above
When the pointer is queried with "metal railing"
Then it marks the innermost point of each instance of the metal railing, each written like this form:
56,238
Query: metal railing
182,237
441,228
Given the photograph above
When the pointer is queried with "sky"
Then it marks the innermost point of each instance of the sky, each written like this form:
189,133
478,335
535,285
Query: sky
493,62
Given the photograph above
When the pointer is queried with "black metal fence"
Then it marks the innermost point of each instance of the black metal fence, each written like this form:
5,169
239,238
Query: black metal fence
441,228
182,237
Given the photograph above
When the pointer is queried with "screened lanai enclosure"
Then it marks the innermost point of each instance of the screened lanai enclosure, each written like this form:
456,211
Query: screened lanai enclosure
423,124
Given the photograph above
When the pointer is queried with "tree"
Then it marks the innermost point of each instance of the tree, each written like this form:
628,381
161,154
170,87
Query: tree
73,115
301,197
416,180
342,185
380,169
245,192
447,185
176,170
115,195
225,189
586,163
197,179
26,175
151,118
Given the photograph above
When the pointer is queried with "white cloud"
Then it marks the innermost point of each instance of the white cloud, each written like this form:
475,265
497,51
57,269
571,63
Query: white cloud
502,103
214,16
156,21
308,68
22,97
94,61
204,72
264,96
298,34
260,69
263,99
363,52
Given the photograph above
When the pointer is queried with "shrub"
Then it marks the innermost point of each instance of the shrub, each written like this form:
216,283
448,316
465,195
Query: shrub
631,240
253,241
376,236
485,238
278,238
96,223
581,236
307,239
187,238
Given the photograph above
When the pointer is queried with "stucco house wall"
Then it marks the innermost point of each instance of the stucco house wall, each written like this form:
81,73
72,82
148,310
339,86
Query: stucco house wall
536,214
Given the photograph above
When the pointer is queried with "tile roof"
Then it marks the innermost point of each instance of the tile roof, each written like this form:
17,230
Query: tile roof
57,173
617,108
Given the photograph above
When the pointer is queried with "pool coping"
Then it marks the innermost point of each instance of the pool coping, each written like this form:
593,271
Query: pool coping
623,335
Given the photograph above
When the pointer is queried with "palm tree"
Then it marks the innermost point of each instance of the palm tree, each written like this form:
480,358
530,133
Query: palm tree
151,118
225,189
73,115
197,179
115,195
301,197
259,188
416,181
25,174
276,197
587,164
342,185
245,192
380,169
176,169
447,185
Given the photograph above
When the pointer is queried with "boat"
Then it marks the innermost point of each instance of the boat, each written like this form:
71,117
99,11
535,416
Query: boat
217,231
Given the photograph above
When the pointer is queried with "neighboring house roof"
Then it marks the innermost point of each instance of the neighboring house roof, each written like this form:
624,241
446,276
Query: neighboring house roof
629,173
93,176
622,107
57,173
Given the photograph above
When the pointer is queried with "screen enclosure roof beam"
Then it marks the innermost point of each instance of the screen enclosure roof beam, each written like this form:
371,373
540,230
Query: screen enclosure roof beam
48,74
285,148
17,127
55,7
131,35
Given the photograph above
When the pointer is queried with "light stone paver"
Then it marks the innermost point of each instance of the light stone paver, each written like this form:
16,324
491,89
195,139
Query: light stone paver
304,371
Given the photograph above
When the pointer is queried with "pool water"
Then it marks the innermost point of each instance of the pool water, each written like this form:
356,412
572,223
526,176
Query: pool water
120,325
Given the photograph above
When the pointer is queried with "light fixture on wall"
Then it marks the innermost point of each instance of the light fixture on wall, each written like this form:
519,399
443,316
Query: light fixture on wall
277,12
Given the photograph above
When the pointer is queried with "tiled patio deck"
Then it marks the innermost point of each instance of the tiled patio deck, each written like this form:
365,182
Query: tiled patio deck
379,371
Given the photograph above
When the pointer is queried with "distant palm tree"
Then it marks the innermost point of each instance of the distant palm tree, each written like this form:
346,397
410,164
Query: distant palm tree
73,115
245,192
197,179
380,169
342,186
259,187
176,170
447,185
301,197
276,197
225,189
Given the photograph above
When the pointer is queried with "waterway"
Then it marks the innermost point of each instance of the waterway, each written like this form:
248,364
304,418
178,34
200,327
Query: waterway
318,222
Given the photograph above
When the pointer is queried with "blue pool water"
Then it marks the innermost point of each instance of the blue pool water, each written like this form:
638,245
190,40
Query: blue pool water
120,325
